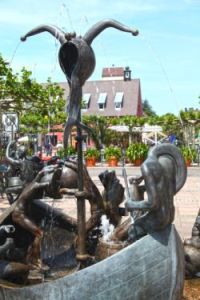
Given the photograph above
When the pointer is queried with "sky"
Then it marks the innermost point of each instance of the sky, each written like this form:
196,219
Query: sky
165,56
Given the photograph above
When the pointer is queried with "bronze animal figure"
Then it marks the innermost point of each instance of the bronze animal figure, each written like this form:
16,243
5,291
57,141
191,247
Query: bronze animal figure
113,196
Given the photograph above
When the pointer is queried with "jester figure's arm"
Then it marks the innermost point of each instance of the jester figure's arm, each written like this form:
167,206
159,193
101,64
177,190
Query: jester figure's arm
55,31
100,26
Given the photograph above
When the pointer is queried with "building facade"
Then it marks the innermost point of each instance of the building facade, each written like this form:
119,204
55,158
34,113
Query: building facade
115,95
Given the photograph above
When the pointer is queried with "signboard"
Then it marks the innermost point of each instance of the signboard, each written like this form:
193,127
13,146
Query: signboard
10,122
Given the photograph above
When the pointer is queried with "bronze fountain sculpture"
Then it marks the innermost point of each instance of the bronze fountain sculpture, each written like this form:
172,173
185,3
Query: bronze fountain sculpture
151,264
159,249
77,60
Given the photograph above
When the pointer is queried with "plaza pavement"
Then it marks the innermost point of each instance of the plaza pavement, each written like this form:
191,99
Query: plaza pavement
187,200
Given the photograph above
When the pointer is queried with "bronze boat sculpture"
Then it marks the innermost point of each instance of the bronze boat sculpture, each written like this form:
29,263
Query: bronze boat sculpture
151,267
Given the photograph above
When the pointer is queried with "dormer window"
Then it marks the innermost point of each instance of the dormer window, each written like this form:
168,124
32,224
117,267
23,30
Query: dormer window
118,101
102,101
86,101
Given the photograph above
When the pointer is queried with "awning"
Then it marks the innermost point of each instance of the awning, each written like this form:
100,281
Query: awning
119,128
124,128
151,128
23,139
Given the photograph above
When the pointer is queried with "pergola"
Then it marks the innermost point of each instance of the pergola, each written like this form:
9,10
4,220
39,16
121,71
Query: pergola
150,133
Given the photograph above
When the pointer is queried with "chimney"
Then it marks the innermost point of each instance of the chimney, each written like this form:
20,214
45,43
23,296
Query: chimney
127,74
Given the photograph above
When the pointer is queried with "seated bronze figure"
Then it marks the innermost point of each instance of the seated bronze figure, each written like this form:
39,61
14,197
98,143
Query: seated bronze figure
164,173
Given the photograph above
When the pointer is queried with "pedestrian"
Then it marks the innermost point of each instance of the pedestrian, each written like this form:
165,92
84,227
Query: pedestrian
48,148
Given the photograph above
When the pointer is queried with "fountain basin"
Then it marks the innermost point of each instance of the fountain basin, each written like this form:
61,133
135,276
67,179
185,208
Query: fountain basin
151,268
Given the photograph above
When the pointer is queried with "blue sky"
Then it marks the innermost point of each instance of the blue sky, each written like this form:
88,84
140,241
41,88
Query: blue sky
165,56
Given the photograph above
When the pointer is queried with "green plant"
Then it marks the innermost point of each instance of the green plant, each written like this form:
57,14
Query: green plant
62,153
92,153
189,153
112,151
137,151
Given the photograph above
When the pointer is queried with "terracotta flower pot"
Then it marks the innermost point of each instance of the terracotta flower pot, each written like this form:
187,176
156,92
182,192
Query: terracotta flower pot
113,162
138,162
91,162
188,162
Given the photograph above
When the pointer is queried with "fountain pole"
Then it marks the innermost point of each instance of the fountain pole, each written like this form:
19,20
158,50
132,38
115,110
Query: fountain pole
81,246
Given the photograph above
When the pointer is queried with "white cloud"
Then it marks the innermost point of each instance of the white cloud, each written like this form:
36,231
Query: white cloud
192,1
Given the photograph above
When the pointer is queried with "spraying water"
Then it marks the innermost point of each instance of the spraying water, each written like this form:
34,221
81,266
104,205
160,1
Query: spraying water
159,62
106,229
14,53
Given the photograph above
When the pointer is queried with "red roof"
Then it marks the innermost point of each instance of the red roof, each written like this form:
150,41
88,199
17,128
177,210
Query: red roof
113,72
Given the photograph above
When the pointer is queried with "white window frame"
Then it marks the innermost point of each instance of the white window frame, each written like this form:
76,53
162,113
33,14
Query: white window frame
102,101
118,101
86,101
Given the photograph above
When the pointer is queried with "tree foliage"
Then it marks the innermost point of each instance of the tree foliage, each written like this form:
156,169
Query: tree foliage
34,103
147,108
40,105
99,129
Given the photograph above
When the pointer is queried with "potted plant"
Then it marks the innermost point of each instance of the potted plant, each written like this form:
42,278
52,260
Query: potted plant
137,153
112,155
189,154
91,155
69,151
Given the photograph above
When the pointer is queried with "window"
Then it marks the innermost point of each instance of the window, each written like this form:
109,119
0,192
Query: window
102,101
86,101
118,100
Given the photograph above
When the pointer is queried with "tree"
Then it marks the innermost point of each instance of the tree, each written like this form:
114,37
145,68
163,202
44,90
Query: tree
36,104
99,129
131,122
147,108
170,124
191,125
